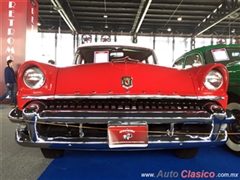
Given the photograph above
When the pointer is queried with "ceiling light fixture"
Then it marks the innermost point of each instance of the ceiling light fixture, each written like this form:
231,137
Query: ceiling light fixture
234,15
169,29
51,10
39,24
179,18
105,14
58,7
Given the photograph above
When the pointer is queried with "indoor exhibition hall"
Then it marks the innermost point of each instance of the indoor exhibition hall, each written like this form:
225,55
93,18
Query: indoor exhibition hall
119,89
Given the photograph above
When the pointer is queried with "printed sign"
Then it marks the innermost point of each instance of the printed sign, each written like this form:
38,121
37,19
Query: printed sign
220,55
101,56
128,136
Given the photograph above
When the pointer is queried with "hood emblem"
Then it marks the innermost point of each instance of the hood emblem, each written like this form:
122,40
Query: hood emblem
127,82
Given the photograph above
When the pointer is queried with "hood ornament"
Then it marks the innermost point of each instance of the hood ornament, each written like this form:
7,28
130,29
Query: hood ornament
127,82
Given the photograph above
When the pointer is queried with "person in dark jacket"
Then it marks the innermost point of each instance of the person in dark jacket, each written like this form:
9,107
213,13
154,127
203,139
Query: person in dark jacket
10,81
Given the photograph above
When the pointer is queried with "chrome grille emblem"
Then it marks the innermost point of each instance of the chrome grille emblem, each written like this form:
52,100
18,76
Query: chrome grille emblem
127,82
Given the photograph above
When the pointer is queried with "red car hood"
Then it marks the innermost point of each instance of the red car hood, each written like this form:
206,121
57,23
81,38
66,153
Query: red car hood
106,79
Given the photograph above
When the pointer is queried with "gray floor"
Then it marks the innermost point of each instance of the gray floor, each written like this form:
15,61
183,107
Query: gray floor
17,162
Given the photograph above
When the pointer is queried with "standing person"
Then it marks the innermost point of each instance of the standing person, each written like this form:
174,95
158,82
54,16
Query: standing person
10,81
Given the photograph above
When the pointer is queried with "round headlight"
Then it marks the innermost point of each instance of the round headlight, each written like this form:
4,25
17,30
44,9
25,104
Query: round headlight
34,78
213,80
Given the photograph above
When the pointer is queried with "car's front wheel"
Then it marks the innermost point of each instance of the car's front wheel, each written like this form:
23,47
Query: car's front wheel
52,153
186,153
233,129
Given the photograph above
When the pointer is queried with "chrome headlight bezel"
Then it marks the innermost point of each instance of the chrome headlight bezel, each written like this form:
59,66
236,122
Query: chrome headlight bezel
213,80
34,77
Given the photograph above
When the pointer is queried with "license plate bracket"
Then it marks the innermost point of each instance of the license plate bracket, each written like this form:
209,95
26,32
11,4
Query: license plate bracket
127,134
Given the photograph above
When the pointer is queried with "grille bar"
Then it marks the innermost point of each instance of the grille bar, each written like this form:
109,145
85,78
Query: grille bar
126,104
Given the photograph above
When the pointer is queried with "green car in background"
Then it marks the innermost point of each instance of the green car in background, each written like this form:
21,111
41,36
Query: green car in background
229,55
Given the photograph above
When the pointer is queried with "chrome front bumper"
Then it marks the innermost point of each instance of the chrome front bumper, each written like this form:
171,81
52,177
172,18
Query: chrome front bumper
27,134
153,143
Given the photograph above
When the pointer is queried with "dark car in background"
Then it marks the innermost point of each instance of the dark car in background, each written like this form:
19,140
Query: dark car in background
228,55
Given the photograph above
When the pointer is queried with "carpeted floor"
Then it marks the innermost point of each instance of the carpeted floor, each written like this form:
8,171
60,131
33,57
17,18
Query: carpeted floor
17,162
210,163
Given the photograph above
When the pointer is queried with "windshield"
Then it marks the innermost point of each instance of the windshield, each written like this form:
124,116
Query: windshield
99,54
223,55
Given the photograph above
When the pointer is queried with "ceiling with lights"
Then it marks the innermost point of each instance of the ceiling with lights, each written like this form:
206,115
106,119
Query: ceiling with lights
202,18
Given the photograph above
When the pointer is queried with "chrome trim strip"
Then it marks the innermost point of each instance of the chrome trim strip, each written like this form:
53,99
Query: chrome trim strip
124,96
105,119
171,143
185,119
180,118
112,111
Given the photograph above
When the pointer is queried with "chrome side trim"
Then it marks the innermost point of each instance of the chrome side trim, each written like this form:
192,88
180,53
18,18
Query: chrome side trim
125,96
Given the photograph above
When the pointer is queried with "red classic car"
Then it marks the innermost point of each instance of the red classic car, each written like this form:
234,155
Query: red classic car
116,97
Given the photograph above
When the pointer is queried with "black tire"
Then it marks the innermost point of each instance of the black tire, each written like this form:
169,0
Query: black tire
186,153
52,153
233,141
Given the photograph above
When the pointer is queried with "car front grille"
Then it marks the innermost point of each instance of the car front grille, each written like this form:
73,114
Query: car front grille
65,132
82,120
125,104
